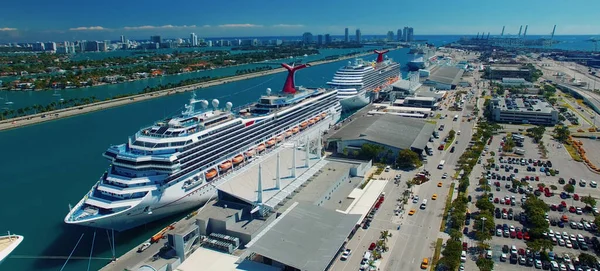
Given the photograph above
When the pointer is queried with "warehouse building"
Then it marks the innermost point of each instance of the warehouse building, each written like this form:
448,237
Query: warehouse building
523,110
445,78
497,72
392,132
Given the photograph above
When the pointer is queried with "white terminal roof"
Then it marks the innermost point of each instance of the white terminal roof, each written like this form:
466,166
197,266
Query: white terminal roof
207,259
365,198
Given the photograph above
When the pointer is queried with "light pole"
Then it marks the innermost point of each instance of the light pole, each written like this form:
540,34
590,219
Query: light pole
483,219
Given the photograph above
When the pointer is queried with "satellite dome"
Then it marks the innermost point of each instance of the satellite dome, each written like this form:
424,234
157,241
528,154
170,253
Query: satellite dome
228,105
215,103
268,91
204,103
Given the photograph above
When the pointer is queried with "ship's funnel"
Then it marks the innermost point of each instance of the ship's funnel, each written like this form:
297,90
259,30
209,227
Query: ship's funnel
290,86
380,55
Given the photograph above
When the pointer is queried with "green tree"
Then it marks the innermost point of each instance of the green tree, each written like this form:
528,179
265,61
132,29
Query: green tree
484,204
569,188
587,259
408,159
451,254
537,132
597,221
589,201
540,245
485,264
561,133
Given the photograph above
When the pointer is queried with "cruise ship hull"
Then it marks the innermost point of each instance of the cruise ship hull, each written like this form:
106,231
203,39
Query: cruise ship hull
174,199
357,101
416,65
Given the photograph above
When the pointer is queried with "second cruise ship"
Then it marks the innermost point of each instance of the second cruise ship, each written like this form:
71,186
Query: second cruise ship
356,81
177,163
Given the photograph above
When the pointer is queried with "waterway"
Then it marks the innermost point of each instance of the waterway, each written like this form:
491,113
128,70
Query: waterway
46,167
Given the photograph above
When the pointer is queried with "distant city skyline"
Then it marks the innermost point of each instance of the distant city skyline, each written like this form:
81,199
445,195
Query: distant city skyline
111,19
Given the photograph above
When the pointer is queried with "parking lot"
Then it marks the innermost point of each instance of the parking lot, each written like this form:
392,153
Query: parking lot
530,172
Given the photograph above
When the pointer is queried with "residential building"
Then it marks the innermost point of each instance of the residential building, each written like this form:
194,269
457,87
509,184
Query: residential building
193,39
102,47
38,46
346,38
307,38
92,46
399,35
320,39
358,36
122,39
155,39
525,110
390,36
50,46
327,39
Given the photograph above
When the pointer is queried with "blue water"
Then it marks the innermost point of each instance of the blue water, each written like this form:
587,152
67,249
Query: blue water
47,166
27,98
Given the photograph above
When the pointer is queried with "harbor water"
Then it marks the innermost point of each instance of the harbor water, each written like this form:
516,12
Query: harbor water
46,167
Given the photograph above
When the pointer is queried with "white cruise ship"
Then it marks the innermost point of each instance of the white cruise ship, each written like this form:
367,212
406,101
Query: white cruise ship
175,164
356,81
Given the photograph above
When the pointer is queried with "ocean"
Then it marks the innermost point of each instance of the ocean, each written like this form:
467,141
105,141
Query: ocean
48,166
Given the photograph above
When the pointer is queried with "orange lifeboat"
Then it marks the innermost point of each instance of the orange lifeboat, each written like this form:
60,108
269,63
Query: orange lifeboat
323,115
271,142
261,147
288,133
295,130
225,165
211,173
311,121
279,138
317,118
238,159
249,153
303,125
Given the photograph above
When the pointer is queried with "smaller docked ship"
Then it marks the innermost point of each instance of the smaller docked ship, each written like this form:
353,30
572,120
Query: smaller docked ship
357,81
8,243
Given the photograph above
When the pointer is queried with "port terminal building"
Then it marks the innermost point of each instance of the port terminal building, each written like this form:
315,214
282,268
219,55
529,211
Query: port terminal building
392,132
444,77
523,111
500,71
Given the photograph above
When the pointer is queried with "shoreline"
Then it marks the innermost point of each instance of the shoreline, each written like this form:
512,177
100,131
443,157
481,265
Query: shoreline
74,111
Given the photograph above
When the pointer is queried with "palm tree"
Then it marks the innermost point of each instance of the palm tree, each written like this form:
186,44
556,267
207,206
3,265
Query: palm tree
384,235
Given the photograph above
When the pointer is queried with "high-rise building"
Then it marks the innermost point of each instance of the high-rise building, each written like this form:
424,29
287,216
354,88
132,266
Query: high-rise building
38,46
193,39
307,38
346,38
102,46
358,36
92,46
209,43
155,39
327,39
320,39
122,39
50,46
408,34
390,36
399,35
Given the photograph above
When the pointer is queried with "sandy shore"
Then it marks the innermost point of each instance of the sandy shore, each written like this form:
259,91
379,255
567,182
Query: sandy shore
73,111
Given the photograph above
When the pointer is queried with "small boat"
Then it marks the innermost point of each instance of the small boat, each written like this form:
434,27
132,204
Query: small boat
303,125
211,173
323,115
249,153
8,243
225,165
311,121
261,147
271,142
288,133
295,130
279,138
238,159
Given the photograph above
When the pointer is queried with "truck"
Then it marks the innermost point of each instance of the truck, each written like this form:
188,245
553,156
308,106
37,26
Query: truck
441,165
519,151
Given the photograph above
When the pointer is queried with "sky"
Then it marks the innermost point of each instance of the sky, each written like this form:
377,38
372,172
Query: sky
42,20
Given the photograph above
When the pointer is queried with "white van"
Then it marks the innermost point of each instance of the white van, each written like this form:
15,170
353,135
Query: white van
424,204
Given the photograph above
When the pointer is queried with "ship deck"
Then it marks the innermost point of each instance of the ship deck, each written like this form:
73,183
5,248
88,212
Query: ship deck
5,242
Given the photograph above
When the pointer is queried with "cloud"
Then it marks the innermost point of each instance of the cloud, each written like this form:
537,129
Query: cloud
88,28
289,25
8,29
168,26
240,25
